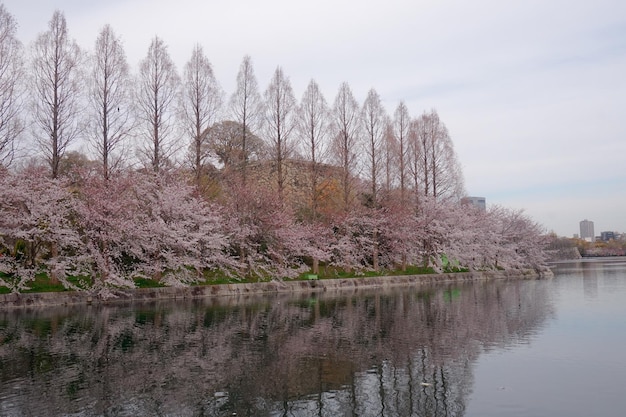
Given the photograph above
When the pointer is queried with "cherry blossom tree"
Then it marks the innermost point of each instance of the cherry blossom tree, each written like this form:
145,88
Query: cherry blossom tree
149,226
37,232
354,242
178,234
401,233
108,220
265,235
519,239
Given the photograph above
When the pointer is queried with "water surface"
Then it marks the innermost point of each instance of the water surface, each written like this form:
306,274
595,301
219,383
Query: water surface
521,347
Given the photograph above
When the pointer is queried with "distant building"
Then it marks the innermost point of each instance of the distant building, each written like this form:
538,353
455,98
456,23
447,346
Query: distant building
586,231
479,202
606,236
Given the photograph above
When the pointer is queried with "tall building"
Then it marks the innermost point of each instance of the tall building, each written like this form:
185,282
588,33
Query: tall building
586,230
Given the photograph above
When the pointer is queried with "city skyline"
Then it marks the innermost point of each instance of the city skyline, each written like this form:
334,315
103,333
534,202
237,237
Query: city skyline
536,116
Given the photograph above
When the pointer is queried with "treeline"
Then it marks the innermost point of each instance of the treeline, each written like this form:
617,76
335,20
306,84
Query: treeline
180,180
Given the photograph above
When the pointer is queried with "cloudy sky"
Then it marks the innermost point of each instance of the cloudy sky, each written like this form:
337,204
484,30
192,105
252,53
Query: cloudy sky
533,92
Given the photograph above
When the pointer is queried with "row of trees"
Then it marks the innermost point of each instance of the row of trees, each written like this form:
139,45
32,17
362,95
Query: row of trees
169,120
262,184
109,232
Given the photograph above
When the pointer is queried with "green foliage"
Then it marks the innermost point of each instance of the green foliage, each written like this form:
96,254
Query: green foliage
43,283
20,249
147,283
453,265
331,272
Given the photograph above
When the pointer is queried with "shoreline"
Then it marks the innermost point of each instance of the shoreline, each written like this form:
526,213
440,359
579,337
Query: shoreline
45,299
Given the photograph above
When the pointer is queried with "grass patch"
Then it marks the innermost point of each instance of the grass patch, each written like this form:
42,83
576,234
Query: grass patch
147,283
43,283
330,272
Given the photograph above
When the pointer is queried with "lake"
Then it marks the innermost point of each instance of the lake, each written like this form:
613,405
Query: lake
550,347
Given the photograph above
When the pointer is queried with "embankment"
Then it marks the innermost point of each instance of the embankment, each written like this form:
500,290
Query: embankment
8,301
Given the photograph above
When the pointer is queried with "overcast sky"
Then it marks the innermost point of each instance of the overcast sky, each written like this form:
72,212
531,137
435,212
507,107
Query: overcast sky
533,92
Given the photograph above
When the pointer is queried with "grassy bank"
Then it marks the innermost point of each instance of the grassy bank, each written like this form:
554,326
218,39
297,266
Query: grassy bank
43,284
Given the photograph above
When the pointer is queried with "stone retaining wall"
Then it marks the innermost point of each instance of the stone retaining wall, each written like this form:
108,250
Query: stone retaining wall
8,301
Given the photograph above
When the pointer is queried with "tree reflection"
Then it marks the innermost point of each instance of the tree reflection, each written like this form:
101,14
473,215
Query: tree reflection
404,352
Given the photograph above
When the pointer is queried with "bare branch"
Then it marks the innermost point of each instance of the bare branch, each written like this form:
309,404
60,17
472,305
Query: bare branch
110,100
57,85
156,97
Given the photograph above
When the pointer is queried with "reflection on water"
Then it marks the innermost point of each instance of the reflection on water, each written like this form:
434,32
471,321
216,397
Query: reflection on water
405,352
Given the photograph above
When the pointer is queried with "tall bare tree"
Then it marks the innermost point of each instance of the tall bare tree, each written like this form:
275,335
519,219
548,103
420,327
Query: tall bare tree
11,72
246,106
374,124
390,156
448,181
280,122
313,129
401,123
110,100
415,152
201,103
57,85
440,173
345,139
157,96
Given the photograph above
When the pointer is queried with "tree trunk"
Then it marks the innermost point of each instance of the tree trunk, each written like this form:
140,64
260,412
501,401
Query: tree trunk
54,252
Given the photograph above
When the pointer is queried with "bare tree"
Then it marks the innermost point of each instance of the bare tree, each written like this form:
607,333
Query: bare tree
246,106
346,120
11,72
156,97
401,124
280,121
390,156
313,129
201,102
374,127
415,158
440,173
374,118
110,99
57,84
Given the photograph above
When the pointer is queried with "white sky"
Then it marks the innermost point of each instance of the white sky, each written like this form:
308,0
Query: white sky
533,92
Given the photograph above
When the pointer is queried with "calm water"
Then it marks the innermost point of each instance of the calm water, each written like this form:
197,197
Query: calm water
509,348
